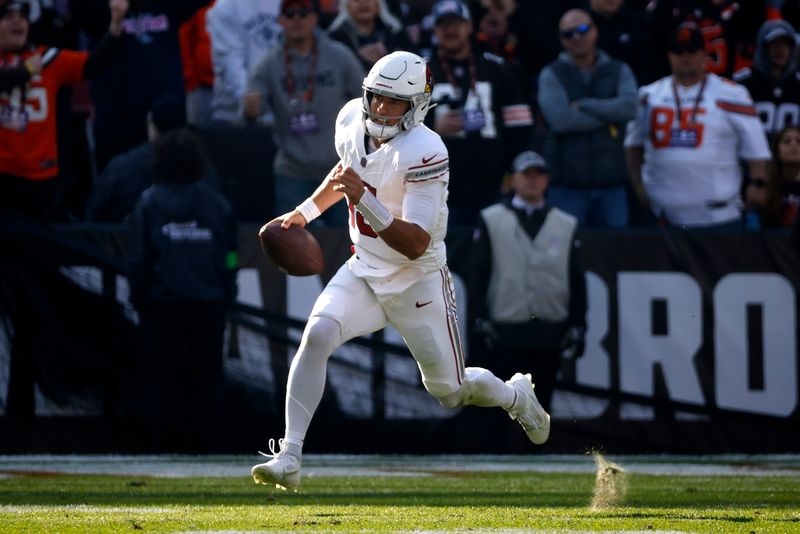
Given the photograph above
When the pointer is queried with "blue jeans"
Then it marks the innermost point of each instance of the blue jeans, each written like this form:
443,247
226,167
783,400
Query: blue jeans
291,191
595,207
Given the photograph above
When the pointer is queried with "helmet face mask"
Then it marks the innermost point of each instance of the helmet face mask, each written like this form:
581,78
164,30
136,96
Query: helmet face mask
402,76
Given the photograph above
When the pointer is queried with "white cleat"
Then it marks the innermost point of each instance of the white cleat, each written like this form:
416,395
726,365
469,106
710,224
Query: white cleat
528,412
283,469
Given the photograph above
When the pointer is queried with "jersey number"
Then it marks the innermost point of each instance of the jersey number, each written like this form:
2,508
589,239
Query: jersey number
35,102
775,118
662,121
716,46
357,220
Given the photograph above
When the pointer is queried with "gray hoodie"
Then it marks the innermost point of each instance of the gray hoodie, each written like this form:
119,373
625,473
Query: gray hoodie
770,30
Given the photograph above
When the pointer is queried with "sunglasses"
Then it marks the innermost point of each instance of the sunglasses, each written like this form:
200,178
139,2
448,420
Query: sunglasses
298,12
582,29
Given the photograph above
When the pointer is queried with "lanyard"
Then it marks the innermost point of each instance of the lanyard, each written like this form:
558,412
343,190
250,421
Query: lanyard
308,95
473,74
697,100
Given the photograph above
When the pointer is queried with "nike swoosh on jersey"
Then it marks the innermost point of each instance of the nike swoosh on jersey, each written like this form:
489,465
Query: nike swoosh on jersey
426,160
423,304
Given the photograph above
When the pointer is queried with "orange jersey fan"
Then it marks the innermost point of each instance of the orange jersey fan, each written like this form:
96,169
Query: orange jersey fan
28,113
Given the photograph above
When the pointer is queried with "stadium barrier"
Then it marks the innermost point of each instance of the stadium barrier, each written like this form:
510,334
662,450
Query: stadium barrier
691,347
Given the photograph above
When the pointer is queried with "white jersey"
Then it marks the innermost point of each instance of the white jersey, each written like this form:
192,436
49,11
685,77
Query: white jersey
410,158
691,167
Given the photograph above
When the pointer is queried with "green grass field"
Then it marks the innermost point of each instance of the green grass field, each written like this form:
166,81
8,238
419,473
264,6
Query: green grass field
457,498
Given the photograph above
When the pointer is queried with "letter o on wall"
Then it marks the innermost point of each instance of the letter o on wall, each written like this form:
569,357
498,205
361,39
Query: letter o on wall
776,297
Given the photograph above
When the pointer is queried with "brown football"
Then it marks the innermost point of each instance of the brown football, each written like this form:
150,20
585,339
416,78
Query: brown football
294,250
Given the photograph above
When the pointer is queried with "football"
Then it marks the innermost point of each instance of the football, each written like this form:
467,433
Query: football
294,250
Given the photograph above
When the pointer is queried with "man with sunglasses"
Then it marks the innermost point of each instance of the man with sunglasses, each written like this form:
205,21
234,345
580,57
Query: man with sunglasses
586,98
685,145
303,81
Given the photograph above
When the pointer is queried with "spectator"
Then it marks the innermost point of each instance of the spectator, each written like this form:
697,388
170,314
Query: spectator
303,81
586,98
369,30
535,23
728,28
30,77
623,35
126,177
481,116
198,73
182,259
412,15
242,33
684,147
150,67
527,286
782,201
773,80
494,31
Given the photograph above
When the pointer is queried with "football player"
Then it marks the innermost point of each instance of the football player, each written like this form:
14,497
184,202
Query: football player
393,173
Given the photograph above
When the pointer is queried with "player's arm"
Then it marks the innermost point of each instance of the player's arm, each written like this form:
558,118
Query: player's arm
407,238
323,198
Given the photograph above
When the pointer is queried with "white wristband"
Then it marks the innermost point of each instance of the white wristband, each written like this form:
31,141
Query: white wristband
309,210
376,214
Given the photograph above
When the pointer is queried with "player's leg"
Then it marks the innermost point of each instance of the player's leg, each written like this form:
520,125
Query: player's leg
346,308
425,315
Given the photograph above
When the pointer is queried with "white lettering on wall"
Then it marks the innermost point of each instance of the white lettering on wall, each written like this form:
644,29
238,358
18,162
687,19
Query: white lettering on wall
775,295
593,368
640,349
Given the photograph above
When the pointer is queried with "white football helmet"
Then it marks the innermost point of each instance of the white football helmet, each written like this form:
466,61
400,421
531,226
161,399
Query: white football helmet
400,75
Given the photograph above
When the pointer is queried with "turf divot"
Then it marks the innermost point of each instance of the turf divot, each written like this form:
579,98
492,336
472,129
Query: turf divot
610,485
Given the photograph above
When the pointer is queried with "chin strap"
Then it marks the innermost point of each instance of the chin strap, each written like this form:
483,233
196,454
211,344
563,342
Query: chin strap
381,131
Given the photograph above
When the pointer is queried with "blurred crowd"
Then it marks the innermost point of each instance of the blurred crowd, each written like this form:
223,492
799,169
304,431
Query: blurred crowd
678,113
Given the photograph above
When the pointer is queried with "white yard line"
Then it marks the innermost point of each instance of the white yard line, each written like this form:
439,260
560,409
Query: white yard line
396,466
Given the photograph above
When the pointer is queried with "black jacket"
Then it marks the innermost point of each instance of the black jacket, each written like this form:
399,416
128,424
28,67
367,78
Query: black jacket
182,245
117,189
